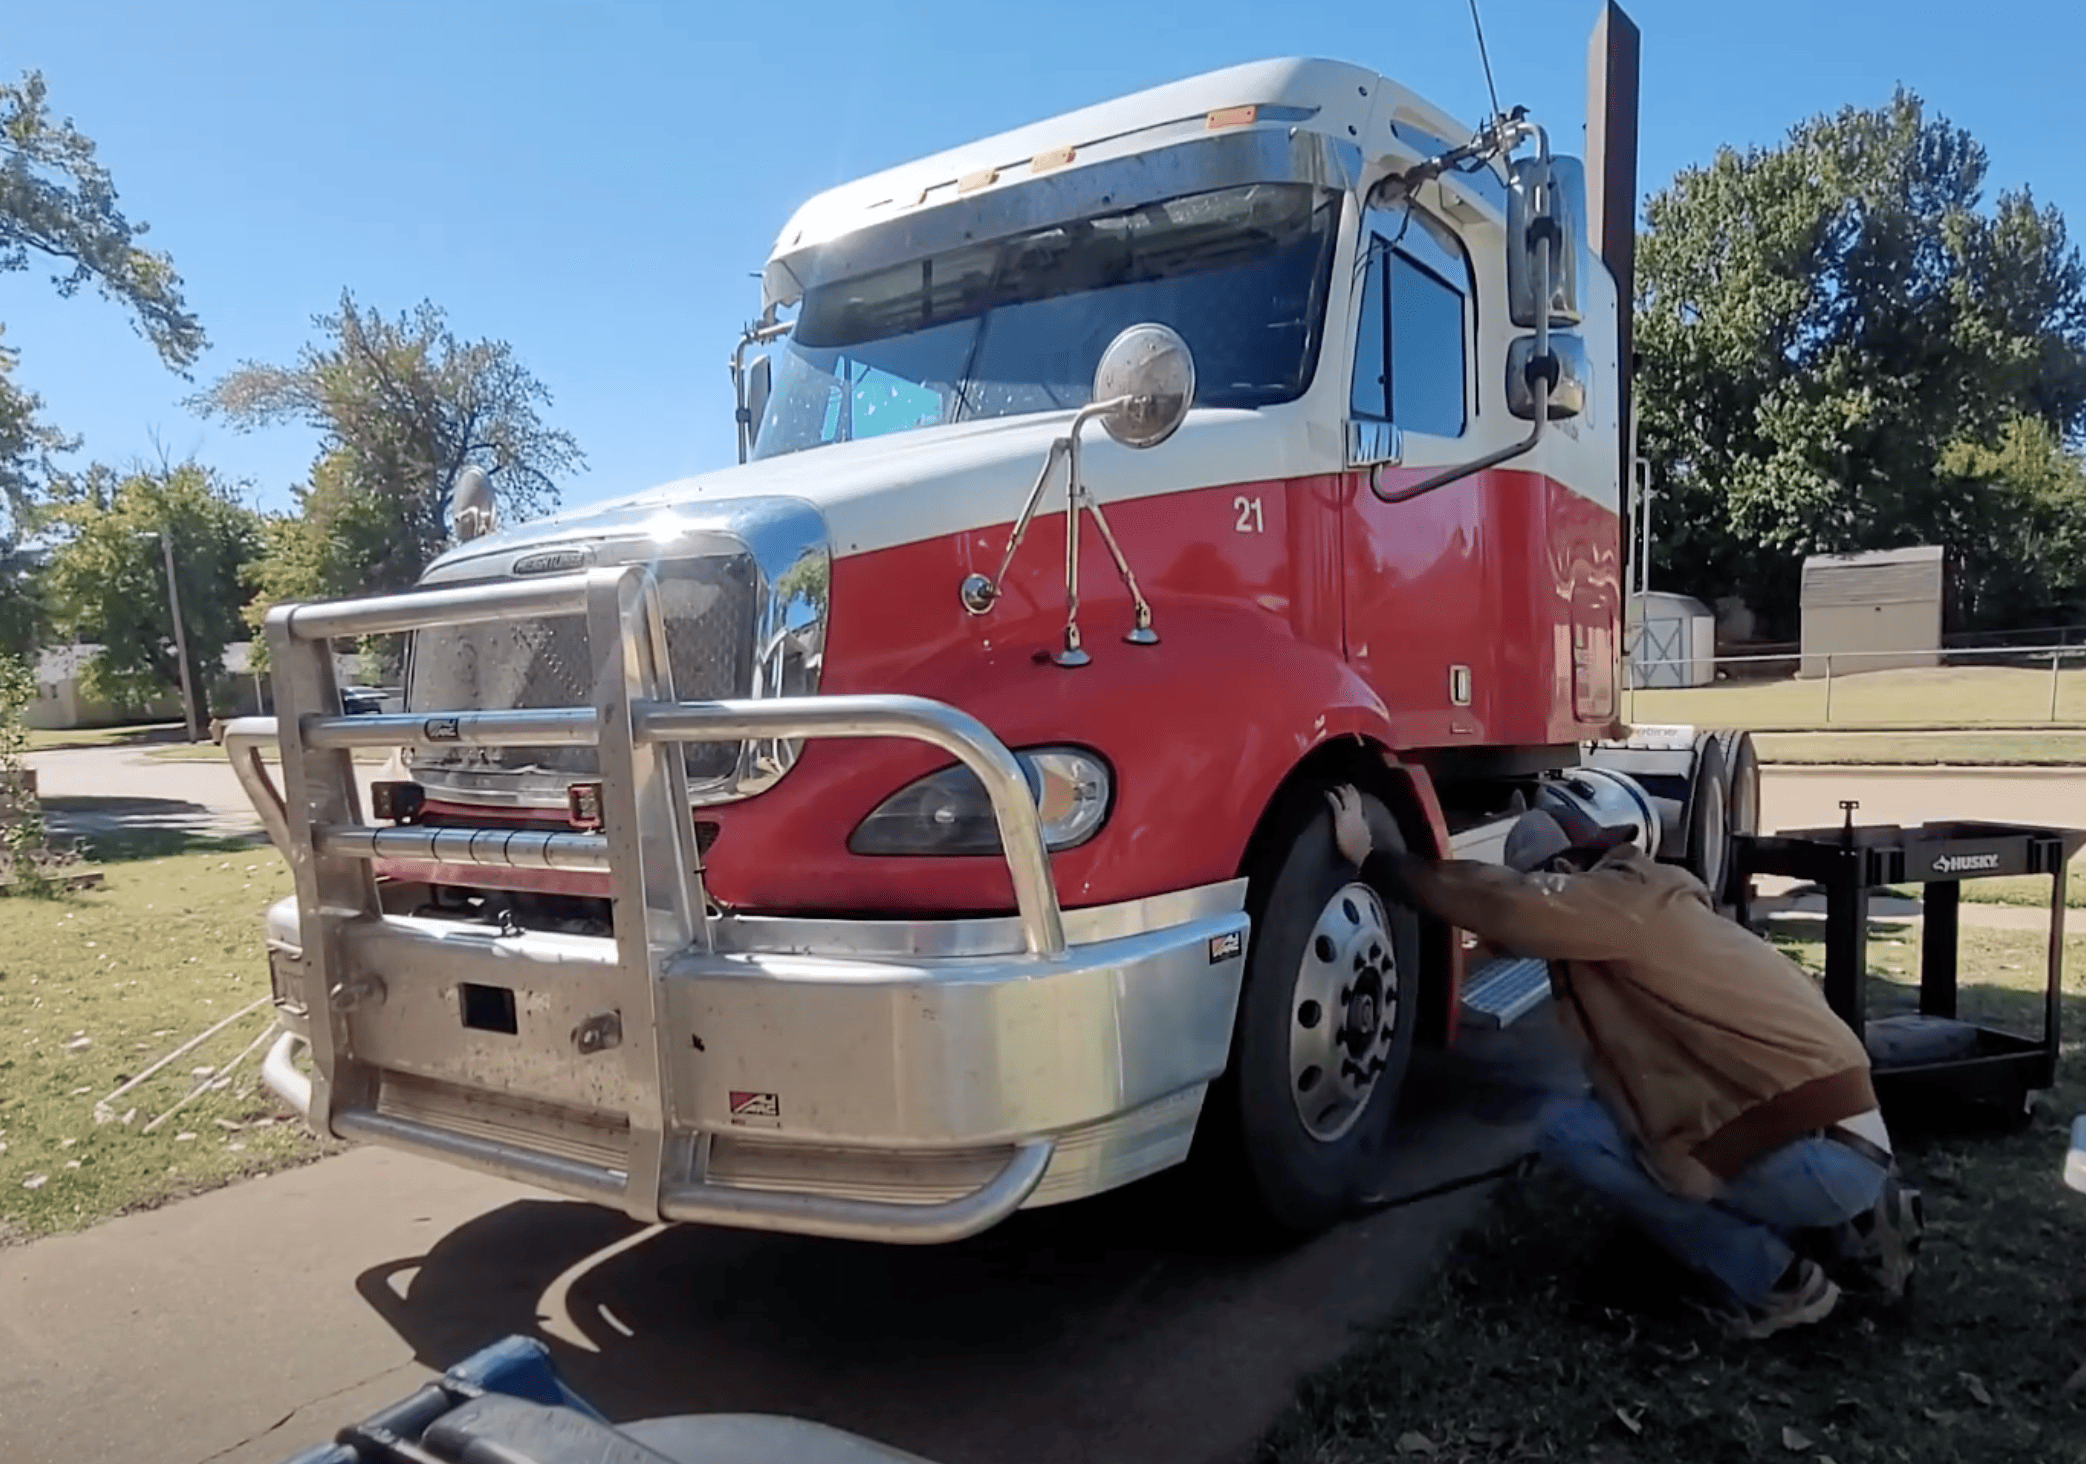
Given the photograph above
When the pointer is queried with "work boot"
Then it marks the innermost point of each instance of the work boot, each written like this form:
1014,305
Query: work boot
1805,1294
1879,1247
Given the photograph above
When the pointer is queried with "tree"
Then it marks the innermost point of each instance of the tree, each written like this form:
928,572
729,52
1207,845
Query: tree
322,549
401,405
29,447
22,836
23,616
58,205
107,581
1839,341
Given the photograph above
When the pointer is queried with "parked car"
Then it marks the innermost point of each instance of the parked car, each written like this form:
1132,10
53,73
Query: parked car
362,701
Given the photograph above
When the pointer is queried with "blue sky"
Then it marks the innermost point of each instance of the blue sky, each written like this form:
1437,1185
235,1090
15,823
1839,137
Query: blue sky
597,183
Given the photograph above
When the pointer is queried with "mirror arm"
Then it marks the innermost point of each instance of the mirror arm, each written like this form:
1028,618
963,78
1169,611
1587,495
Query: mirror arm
1542,376
1491,460
758,334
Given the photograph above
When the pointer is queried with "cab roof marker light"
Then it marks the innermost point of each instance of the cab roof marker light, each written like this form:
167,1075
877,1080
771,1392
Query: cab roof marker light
1057,157
1231,117
972,182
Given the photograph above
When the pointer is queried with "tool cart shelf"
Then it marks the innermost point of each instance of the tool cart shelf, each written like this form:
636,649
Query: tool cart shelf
1933,1055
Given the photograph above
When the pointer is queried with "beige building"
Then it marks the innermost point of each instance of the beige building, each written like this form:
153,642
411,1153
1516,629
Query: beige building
62,704
1873,612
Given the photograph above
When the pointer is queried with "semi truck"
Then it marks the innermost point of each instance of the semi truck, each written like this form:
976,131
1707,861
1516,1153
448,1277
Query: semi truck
923,817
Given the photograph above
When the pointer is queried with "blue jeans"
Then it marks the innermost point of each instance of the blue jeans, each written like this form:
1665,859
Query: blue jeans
1738,1239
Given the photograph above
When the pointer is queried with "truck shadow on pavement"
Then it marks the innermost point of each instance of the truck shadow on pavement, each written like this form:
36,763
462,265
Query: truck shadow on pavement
1123,1327
111,830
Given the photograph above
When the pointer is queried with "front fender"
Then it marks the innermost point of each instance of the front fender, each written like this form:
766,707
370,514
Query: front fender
1200,730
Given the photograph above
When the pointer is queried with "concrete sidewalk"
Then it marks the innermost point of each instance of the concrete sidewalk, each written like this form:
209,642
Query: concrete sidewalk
245,1324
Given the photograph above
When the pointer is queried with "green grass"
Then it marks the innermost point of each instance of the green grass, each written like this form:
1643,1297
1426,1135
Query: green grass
58,739
2028,891
1552,1335
211,752
1946,697
96,986
1920,749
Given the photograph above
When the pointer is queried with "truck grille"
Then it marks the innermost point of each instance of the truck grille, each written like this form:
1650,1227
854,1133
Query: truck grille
543,661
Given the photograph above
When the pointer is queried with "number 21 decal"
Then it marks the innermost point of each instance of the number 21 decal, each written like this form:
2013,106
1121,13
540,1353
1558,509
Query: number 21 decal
1250,520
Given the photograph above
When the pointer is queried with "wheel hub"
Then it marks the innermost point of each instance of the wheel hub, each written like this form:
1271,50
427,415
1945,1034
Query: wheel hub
1344,1013
1362,1012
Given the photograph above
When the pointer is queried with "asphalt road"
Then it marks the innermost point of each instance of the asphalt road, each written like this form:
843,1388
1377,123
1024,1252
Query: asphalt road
102,789
240,1326
1805,798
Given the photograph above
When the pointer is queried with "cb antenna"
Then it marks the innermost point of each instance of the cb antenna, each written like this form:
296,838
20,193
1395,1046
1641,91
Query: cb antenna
1484,59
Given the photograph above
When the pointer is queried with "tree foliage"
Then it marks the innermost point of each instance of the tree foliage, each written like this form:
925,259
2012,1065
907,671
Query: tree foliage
108,581
29,448
58,207
323,548
22,837
401,406
24,618
1845,347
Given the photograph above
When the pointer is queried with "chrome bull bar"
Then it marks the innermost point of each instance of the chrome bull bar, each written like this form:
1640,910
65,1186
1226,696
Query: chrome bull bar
646,847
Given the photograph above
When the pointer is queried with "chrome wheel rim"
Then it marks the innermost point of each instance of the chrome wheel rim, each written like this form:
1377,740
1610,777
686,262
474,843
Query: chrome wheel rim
1343,1013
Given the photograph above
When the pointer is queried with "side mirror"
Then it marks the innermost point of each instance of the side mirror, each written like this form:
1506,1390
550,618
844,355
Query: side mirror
1546,209
760,376
1567,393
1145,383
471,503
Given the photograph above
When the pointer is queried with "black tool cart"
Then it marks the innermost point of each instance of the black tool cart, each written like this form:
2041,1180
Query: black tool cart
1933,1054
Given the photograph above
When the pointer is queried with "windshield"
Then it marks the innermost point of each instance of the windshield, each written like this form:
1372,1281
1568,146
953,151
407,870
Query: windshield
1019,324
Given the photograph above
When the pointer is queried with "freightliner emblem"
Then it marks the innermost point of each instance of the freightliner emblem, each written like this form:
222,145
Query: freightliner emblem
551,561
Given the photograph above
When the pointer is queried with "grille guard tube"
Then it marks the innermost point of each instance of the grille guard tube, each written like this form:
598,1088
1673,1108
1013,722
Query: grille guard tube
647,842
957,733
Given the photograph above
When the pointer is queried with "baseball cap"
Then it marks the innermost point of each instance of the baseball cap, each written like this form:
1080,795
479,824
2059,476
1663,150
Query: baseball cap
1541,834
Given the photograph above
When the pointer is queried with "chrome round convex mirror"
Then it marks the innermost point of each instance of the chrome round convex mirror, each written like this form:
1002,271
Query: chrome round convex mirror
1150,373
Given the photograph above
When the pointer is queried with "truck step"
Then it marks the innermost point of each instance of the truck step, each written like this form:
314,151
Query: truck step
1503,991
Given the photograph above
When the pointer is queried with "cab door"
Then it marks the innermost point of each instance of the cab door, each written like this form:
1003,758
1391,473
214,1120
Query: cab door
1420,614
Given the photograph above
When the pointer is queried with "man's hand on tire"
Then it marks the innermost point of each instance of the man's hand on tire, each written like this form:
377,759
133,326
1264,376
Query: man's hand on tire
1391,870
1350,826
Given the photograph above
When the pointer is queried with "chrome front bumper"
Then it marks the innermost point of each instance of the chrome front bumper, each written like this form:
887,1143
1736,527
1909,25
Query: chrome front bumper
896,1081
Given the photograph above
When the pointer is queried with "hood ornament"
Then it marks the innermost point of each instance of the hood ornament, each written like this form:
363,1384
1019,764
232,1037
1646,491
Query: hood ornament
1142,391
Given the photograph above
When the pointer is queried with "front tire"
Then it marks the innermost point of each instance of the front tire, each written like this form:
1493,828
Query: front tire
1325,1026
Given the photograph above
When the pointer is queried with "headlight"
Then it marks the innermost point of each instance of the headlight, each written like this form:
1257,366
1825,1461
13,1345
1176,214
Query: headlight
948,812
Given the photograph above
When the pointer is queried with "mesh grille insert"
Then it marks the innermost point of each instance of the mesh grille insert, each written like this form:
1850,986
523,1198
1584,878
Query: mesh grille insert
544,661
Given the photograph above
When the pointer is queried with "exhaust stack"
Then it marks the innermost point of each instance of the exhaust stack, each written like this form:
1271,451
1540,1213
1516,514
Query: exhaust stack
1611,161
